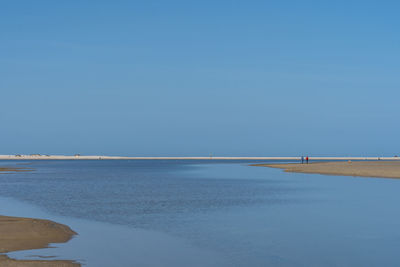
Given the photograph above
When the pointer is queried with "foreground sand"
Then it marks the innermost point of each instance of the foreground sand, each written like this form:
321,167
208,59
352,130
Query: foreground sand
24,234
7,262
384,169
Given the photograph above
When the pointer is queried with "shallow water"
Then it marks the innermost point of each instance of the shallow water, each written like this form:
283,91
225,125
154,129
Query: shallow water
207,213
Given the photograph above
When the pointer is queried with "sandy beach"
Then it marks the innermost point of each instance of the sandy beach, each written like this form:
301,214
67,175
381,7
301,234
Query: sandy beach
25,234
383,169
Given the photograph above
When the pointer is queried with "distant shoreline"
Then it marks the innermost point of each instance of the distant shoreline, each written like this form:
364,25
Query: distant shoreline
100,157
378,169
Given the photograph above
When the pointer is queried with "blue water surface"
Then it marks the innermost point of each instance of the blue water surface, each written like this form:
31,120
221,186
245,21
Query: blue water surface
208,213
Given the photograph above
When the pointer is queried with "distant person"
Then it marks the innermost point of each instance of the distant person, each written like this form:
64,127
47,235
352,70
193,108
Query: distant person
307,159
302,159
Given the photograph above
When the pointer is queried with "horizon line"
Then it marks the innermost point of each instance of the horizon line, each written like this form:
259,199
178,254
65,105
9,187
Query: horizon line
104,157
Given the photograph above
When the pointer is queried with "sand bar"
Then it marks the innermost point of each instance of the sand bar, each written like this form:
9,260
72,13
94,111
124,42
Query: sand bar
384,169
14,169
25,234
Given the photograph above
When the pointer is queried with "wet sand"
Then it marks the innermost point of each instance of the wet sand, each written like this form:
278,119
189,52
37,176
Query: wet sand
14,169
25,234
383,169
7,262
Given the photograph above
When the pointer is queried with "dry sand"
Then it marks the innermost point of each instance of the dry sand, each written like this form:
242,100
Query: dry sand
24,234
384,169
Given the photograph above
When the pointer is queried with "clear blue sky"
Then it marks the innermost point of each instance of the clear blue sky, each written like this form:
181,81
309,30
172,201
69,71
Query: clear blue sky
199,77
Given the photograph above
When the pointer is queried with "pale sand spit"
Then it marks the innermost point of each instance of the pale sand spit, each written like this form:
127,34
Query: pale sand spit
383,169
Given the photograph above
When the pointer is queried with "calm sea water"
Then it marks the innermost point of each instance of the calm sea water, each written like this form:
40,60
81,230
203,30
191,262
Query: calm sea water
207,213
